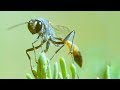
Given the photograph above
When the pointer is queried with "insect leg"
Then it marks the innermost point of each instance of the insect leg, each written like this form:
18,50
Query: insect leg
54,42
31,49
68,36
56,52
65,39
47,46
34,47
62,41
72,41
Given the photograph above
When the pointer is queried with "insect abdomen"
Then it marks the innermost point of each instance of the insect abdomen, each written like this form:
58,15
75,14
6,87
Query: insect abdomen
78,58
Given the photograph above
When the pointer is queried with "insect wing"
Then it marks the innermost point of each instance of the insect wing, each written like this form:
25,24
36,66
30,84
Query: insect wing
61,31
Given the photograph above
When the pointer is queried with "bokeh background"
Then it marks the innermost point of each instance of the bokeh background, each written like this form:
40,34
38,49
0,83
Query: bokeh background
97,36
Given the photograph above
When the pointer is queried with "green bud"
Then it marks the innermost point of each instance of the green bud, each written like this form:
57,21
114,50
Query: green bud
55,73
28,76
63,68
73,70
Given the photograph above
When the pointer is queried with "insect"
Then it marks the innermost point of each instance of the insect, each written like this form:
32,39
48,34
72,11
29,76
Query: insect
75,52
45,30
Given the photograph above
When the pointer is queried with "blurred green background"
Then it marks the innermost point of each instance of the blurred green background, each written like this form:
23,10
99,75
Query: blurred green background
97,35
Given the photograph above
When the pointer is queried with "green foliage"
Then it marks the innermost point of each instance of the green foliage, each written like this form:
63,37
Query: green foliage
73,70
41,66
43,70
29,76
55,73
107,74
63,68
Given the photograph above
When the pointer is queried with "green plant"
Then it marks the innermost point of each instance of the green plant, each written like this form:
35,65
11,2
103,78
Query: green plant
107,73
43,70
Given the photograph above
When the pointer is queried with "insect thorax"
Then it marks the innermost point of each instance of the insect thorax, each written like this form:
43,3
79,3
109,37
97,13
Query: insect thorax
47,30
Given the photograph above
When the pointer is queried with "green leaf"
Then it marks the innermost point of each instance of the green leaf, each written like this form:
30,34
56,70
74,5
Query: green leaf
63,68
35,73
55,73
49,72
68,76
107,72
60,75
41,66
73,70
28,76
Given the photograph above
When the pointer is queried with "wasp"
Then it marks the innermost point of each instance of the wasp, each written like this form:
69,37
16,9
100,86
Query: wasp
75,52
45,30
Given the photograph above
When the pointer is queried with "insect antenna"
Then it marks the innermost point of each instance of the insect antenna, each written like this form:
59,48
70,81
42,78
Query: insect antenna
16,25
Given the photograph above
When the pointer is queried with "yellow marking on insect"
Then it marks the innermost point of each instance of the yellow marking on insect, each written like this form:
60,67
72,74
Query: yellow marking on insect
76,53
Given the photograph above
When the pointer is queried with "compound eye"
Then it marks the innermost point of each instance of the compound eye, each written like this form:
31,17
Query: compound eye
35,23
40,23
31,27
38,26
32,21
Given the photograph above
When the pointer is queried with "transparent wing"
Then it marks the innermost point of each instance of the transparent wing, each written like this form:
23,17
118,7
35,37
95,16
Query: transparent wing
61,31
